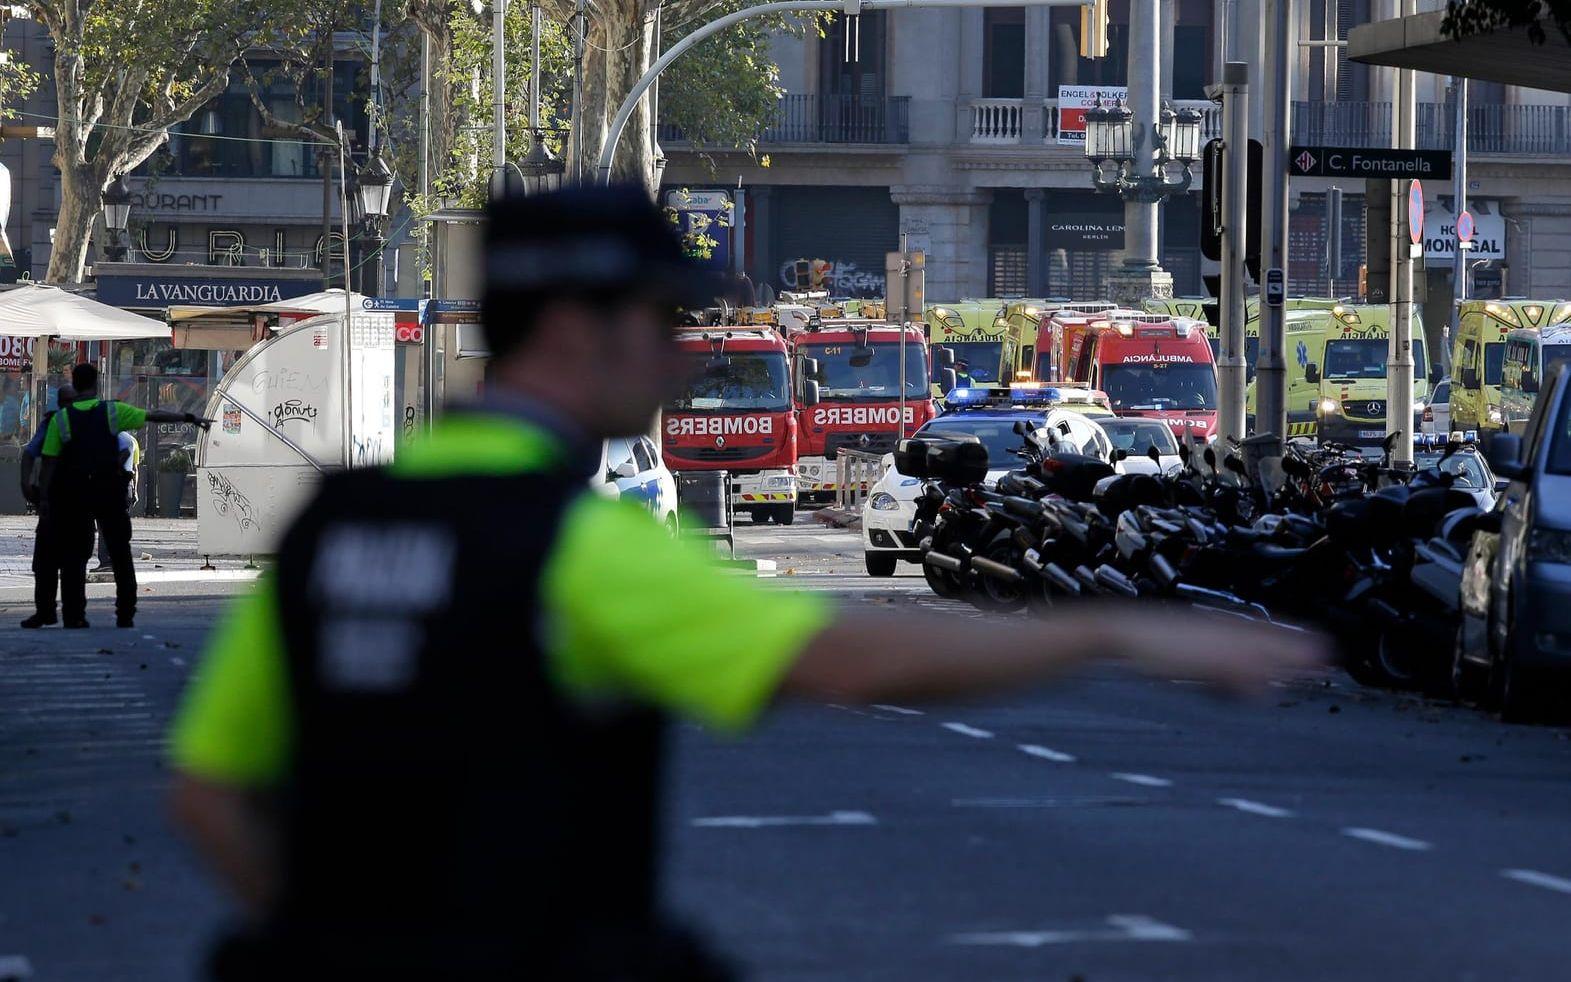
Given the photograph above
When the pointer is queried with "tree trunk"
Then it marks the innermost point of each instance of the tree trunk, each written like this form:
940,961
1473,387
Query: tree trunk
81,188
618,55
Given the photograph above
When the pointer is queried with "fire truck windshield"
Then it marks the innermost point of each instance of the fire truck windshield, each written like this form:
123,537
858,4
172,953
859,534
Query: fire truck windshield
977,361
847,373
1160,386
756,380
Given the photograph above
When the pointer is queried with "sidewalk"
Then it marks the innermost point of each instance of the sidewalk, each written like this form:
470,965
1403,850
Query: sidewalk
164,549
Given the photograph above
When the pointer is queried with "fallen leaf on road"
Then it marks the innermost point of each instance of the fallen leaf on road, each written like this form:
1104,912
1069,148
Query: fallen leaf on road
147,556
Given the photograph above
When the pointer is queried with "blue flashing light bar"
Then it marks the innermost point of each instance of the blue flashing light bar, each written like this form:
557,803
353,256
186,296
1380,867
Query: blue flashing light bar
967,397
1471,436
1035,395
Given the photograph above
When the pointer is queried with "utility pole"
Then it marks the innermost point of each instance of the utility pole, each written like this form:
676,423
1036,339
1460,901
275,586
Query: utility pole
1232,367
1459,192
498,98
1271,370
325,158
580,38
1399,361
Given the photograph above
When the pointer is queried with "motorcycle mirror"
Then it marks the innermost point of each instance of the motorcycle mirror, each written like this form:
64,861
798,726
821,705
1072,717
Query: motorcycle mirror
1020,427
1452,446
1154,454
1390,441
1210,458
1235,465
1183,452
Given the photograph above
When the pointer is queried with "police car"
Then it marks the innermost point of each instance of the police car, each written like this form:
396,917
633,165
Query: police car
631,468
1065,419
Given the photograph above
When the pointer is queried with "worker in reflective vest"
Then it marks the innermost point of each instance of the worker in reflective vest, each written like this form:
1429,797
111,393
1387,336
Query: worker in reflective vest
83,483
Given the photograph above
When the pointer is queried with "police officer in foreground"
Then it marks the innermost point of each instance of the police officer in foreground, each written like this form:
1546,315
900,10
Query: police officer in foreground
429,745
83,483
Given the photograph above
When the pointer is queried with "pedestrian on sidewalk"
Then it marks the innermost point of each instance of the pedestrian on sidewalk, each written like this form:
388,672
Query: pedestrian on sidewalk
430,746
46,552
83,483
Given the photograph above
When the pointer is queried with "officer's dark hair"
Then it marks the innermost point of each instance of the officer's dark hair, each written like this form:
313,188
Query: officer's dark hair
599,246
84,377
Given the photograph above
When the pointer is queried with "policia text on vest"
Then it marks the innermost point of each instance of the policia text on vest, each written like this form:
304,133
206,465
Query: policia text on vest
84,484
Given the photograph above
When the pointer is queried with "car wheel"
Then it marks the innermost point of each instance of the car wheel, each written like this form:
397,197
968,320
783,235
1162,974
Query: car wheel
1525,696
672,526
784,514
880,563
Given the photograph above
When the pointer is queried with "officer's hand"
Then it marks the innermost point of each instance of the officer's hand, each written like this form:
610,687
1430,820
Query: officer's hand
196,420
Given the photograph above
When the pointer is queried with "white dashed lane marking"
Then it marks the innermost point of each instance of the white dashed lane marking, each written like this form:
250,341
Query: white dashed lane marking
1144,780
1391,839
898,709
1533,877
970,731
1120,927
777,821
1046,753
1254,807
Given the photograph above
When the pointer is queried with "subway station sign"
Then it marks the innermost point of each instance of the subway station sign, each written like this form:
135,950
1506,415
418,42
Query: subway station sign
1369,162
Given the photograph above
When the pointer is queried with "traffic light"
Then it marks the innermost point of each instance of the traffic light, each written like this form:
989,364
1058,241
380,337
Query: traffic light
1093,30
1211,201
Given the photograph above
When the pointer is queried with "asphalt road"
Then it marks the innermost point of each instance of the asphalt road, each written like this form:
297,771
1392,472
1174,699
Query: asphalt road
1112,828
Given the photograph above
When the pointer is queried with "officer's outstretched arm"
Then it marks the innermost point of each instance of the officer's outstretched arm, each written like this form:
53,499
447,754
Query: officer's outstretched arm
233,832
913,655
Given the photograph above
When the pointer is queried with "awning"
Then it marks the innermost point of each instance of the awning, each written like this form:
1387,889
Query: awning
37,310
237,328
1505,55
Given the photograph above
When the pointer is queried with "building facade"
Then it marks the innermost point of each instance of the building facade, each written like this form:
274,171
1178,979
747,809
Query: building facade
957,129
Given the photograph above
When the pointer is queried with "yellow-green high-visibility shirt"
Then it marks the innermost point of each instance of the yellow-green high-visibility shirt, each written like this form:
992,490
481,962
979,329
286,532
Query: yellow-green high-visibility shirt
628,612
127,417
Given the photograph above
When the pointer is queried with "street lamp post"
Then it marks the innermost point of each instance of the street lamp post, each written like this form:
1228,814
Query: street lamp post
374,194
1150,149
117,218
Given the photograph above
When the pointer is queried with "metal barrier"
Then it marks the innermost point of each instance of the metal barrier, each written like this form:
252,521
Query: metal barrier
855,474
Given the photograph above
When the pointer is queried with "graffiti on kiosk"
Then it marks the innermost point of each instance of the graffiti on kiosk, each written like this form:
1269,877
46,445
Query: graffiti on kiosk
287,380
841,278
291,409
229,500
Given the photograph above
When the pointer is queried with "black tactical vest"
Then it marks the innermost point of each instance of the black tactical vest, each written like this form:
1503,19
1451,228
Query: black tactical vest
90,447
450,813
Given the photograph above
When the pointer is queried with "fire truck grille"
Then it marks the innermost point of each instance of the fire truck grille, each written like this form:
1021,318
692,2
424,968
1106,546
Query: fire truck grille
709,454
879,443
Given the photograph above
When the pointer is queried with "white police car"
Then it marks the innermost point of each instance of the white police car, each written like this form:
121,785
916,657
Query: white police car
631,468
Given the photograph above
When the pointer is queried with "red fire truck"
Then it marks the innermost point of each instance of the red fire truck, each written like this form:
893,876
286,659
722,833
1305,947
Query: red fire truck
1155,366
1061,336
857,365
736,414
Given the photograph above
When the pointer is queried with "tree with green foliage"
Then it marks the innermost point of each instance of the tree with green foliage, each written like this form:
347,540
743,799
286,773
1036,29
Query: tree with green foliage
123,74
1482,16
723,93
